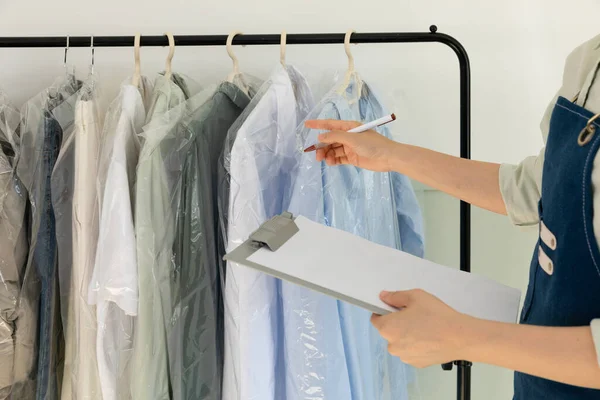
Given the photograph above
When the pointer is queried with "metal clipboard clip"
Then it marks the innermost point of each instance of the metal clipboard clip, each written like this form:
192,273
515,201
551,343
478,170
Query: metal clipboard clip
275,232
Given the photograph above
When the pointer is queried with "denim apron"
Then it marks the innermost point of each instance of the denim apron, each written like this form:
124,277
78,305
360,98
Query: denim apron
564,277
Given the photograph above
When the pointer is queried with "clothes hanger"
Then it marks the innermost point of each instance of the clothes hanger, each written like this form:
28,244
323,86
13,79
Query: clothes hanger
93,51
236,65
135,81
234,59
65,58
168,71
351,73
282,48
92,76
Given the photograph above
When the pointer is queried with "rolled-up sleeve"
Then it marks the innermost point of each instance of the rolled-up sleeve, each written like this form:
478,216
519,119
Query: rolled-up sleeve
521,187
596,335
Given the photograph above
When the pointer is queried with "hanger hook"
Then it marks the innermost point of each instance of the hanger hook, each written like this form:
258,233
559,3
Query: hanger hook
348,52
236,64
168,72
92,47
136,56
282,48
66,51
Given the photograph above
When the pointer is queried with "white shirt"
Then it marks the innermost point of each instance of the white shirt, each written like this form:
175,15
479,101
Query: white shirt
259,167
80,338
114,285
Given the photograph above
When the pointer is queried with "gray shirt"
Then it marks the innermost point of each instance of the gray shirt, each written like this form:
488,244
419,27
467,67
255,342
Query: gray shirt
197,257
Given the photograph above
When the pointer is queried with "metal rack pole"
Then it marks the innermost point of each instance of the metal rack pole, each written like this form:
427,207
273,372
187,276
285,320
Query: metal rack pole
463,367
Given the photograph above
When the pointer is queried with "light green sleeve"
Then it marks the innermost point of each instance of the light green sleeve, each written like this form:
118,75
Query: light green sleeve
521,187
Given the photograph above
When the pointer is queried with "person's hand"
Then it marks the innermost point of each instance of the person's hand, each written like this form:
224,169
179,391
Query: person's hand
425,331
368,150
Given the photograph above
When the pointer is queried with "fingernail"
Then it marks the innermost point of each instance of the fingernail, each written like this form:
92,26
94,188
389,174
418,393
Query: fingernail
384,294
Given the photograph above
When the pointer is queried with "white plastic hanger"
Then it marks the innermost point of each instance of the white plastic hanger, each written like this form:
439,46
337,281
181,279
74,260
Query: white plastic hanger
351,73
135,81
236,65
168,71
234,59
282,48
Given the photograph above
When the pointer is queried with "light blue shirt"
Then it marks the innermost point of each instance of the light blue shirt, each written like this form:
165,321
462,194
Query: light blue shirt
332,351
259,156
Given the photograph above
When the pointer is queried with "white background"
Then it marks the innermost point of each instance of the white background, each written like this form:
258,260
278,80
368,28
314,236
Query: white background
517,50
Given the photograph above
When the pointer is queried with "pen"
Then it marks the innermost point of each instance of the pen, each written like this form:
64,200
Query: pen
358,129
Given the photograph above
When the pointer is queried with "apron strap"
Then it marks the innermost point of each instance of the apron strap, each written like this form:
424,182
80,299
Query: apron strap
582,96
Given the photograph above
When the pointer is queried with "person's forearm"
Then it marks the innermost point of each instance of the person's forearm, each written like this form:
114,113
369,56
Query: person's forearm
475,182
561,354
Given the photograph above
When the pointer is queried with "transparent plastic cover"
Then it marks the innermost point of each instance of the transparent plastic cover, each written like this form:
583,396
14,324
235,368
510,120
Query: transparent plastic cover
13,236
281,340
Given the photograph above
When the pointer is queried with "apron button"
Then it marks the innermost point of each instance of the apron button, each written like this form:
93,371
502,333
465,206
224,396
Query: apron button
550,268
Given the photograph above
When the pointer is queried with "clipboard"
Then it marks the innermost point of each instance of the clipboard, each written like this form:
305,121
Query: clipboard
352,269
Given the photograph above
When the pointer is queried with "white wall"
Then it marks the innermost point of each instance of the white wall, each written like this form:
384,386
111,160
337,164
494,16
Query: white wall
517,49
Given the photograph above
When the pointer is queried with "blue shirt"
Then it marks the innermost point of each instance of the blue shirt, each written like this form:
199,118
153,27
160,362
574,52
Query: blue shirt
259,156
332,351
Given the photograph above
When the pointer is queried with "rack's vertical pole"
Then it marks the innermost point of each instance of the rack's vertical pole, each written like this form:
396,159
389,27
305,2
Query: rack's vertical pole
464,367
463,378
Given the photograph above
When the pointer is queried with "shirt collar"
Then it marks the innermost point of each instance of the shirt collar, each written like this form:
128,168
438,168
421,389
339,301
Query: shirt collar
235,94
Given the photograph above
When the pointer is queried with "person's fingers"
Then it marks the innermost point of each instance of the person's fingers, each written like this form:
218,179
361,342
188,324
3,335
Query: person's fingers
322,153
396,299
377,321
331,159
331,124
335,137
338,149
343,160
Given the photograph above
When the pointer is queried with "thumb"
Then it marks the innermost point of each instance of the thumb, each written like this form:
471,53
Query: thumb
397,299
335,137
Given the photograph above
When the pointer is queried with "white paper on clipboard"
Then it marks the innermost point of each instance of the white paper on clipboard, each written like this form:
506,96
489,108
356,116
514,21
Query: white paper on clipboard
355,270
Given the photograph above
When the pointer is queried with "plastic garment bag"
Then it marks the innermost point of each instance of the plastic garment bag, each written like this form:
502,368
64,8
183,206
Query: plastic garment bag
38,356
155,191
13,239
113,288
197,297
332,351
76,205
259,157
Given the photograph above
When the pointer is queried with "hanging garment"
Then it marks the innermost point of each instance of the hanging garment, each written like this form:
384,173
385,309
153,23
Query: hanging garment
155,230
63,185
81,380
13,239
113,288
259,157
347,358
38,338
199,374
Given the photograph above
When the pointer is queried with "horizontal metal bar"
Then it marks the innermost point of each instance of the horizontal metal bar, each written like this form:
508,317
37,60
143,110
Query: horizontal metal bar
220,40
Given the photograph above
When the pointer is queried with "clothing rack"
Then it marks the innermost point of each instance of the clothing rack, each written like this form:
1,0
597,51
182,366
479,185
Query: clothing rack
463,367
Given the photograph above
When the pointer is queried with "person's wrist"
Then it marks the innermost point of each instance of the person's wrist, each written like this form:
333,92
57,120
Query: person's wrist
471,337
475,335
393,157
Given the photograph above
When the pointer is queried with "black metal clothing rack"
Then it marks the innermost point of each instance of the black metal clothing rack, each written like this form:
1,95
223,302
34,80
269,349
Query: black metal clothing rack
463,367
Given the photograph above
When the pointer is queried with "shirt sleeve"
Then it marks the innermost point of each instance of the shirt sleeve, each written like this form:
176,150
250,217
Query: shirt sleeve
596,336
520,186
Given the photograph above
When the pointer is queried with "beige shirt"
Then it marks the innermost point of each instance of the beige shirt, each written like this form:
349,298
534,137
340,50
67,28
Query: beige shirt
521,184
